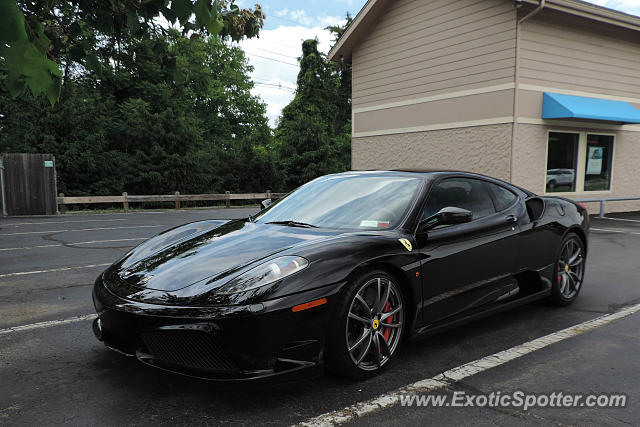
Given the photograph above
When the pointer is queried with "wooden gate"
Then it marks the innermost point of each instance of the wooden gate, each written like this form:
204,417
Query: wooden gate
29,184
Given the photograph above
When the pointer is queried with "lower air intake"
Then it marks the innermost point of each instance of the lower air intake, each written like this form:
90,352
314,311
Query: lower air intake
191,349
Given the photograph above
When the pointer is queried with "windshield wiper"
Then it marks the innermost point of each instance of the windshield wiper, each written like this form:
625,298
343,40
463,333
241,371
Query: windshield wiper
293,224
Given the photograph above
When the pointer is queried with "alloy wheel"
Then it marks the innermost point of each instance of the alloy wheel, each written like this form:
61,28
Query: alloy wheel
570,268
374,323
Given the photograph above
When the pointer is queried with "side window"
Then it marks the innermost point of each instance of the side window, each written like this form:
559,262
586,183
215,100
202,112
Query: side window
504,198
464,193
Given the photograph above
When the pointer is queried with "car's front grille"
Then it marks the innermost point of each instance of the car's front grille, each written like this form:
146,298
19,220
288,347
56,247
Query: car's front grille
190,349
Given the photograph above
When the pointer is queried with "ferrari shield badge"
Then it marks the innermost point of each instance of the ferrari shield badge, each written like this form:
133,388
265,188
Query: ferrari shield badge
407,244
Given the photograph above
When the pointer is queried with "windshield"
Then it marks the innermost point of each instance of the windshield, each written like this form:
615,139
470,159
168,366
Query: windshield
346,201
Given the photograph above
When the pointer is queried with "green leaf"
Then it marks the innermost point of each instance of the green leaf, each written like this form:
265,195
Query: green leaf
215,25
12,27
92,62
182,9
180,75
105,21
75,29
15,87
202,9
133,22
53,91
76,53
53,68
38,29
36,70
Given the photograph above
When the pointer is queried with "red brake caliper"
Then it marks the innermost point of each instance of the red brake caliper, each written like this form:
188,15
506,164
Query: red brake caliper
387,331
559,276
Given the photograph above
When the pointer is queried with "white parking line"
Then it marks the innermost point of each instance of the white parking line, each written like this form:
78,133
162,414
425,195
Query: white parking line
614,231
619,219
72,244
82,229
47,324
453,375
24,273
64,222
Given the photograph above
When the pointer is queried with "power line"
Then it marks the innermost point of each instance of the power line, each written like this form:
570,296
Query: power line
268,82
276,53
272,59
273,86
289,20
286,45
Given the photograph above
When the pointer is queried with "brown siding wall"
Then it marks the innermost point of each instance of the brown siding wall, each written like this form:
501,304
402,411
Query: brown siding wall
468,108
487,150
569,53
422,48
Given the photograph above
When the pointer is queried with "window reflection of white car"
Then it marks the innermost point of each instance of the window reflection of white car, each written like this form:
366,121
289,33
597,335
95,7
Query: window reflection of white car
557,177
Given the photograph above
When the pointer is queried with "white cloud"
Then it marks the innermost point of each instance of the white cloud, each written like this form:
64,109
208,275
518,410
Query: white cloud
628,6
274,58
301,17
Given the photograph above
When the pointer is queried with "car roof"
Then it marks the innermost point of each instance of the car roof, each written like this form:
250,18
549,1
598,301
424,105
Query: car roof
424,173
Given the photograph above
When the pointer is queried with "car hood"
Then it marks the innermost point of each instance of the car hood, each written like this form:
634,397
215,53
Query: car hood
220,250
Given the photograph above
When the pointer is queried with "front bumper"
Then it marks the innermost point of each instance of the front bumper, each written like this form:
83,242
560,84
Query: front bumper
257,342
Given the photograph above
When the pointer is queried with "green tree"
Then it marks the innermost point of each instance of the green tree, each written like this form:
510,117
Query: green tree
131,126
39,37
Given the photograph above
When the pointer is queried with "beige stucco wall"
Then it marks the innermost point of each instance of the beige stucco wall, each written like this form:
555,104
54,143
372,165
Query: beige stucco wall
529,164
481,149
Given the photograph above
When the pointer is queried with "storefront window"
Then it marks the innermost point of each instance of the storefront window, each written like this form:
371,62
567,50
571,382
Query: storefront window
562,162
599,158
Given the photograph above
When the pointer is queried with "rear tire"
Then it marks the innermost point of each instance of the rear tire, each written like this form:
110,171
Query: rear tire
569,271
368,326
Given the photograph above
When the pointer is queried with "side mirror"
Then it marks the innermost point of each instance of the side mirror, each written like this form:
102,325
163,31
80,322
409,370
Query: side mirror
446,216
535,208
266,203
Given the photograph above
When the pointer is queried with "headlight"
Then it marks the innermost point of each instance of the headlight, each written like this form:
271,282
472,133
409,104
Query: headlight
264,274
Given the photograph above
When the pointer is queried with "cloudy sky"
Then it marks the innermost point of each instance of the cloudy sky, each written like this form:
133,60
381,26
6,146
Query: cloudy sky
289,22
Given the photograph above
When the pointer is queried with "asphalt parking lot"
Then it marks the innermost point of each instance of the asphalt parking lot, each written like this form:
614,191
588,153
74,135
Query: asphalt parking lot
55,372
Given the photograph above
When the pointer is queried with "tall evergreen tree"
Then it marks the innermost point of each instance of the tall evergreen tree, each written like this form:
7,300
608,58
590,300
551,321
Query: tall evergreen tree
313,135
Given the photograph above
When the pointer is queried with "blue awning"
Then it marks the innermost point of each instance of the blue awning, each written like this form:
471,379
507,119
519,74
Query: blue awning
557,106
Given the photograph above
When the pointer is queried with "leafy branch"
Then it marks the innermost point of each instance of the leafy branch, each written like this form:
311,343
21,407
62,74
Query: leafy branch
32,33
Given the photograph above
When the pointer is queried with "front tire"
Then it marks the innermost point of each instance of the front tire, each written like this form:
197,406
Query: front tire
368,326
569,269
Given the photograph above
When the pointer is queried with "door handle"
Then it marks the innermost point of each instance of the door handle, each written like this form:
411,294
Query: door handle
511,219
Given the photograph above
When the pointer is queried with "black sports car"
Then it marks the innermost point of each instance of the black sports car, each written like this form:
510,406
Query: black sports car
339,273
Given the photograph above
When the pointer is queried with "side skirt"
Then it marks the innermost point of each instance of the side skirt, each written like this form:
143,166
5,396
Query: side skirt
430,330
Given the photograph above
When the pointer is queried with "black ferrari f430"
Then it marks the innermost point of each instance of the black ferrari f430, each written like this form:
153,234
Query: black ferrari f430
339,274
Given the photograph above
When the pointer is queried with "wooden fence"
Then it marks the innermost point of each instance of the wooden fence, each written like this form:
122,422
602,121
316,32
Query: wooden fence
176,198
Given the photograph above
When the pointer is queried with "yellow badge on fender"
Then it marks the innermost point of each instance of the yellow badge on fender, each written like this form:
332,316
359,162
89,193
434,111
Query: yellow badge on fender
407,244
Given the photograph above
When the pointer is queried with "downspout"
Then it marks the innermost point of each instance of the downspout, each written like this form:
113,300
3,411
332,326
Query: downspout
516,94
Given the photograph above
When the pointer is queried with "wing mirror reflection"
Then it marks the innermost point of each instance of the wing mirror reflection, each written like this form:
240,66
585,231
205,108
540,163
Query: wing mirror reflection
446,216
266,203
